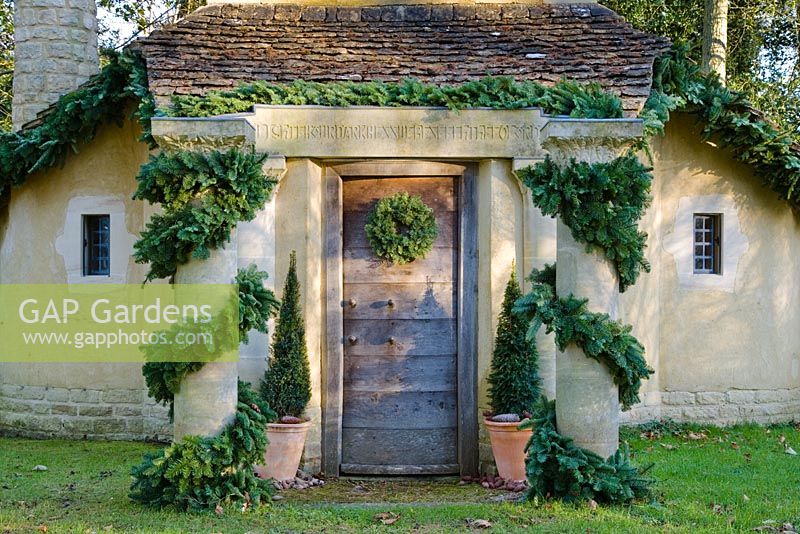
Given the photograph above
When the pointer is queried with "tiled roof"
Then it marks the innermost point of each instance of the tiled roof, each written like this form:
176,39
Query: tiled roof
221,46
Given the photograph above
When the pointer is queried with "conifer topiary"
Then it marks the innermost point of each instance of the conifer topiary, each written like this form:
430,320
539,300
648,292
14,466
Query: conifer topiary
286,386
514,383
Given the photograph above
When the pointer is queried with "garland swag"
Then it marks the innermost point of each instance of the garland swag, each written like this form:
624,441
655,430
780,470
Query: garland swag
566,97
203,473
607,341
601,203
75,119
557,467
204,196
725,116
401,228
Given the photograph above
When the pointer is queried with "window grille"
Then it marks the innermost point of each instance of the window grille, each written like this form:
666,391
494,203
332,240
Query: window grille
707,243
96,245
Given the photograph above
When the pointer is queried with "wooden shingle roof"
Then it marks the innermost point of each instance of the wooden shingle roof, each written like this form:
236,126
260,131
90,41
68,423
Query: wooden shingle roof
222,46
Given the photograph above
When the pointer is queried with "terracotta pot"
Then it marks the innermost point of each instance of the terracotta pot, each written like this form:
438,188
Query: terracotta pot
284,451
508,447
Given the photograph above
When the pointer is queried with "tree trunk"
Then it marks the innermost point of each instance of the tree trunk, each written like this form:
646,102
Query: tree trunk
715,37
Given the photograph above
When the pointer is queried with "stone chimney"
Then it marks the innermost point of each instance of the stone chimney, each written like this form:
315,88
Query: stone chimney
56,51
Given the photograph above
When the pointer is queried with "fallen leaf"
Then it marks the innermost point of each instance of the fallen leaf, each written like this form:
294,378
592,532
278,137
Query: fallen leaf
108,528
592,505
788,450
40,468
387,518
42,528
746,498
734,445
479,523
696,436
782,439
668,446
218,510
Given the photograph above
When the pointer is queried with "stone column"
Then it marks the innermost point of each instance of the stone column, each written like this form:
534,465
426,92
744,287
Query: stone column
207,399
56,51
587,406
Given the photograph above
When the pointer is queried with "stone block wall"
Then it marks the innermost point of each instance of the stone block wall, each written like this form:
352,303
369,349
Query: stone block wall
117,414
56,51
721,408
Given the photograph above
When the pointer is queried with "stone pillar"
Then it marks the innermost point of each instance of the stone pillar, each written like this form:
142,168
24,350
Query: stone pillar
207,399
56,51
587,405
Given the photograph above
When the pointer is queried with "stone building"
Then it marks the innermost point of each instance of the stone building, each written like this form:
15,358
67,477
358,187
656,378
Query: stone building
722,342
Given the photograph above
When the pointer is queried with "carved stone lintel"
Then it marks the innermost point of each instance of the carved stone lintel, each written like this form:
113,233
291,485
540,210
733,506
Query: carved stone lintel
210,134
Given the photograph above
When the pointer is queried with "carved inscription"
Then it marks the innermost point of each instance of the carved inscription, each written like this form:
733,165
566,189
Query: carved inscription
399,132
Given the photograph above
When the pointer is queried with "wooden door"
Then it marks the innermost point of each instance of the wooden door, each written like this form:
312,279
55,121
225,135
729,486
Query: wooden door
400,386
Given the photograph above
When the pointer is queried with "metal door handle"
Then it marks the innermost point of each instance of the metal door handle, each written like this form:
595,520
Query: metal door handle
390,303
391,341
352,302
353,340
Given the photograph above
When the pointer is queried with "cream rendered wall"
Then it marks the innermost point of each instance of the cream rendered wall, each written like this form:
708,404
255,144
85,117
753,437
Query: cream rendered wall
54,397
723,355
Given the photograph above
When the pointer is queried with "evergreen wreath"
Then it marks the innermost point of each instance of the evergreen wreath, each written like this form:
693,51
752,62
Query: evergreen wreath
401,228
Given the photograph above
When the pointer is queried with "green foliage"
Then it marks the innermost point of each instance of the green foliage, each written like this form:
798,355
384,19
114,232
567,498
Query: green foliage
727,118
75,119
514,383
204,196
287,382
6,62
564,98
257,304
201,473
556,467
401,228
601,203
607,341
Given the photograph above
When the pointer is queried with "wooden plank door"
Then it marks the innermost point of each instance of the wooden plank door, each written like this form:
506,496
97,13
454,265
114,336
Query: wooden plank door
400,385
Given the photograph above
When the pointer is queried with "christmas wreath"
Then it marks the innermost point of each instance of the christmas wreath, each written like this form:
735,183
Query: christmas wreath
401,228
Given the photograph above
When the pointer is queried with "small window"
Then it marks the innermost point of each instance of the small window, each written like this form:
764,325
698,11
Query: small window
707,243
96,245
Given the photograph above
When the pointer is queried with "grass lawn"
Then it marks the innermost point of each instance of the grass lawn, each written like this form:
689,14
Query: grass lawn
709,480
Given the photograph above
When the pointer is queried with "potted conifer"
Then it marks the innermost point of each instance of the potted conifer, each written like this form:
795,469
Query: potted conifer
286,385
514,386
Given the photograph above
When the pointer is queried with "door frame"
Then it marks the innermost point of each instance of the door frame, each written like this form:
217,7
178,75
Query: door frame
467,323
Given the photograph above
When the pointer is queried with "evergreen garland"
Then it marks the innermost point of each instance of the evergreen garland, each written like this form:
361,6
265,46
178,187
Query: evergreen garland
514,383
287,382
204,196
202,473
257,304
601,203
725,116
401,228
563,98
605,340
556,467
75,119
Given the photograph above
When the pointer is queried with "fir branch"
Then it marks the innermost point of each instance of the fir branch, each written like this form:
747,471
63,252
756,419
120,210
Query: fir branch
609,342
601,203
564,98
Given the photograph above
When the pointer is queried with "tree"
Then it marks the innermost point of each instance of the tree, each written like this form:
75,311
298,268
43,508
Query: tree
715,37
514,384
763,46
6,61
286,386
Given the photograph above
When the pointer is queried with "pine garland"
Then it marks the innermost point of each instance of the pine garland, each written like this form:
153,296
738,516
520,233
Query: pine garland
204,196
204,473
514,383
601,203
75,119
607,341
564,98
556,467
257,304
725,116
